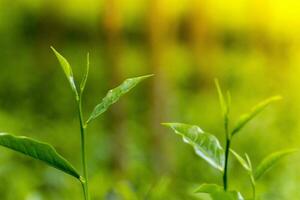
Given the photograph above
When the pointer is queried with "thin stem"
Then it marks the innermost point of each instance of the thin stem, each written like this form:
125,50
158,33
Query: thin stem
253,186
225,180
228,138
84,190
83,150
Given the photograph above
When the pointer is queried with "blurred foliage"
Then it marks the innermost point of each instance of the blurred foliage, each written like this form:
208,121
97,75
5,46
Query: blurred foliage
251,46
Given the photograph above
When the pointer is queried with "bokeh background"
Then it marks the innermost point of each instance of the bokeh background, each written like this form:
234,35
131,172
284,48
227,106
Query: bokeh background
252,46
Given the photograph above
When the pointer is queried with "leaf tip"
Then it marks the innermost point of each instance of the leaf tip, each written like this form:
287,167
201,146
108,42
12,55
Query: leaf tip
165,124
147,76
293,150
53,49
277,98
217,84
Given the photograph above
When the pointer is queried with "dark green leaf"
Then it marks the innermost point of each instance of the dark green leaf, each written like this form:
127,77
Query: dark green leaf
114,95
256,110
66,68
241,160
216,192
38,150
205,145
270,161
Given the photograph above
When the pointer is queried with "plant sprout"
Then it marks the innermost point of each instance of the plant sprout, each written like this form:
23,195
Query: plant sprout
45,152
266,164
208,147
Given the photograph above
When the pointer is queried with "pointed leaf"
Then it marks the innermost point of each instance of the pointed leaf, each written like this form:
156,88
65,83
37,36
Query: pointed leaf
38,150
114,95
248,161
270,161
224,104
66,68
217,192
85,77
205,145
256,110
241,160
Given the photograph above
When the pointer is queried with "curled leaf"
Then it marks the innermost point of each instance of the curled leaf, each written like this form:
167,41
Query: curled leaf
66,68
85,77
223,103
205,145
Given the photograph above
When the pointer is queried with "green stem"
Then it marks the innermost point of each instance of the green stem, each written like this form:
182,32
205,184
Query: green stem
228,138
83,150
253,187
225,180
83,189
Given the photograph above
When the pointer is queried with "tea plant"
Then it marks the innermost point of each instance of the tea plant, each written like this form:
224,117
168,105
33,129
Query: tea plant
45,152
266,164
208,147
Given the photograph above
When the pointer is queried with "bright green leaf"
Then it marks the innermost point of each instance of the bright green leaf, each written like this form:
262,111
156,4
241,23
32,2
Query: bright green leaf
270,161
114,95
224,104
85,77
248,161
241,160
205,145
66,68
256,110
217,192
38,150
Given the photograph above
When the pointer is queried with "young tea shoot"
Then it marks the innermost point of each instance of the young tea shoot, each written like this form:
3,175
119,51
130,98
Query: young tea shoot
208,147
265,165
45,152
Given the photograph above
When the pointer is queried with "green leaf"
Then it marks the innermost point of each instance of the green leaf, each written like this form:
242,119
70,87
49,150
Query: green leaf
248,161
270,161
216,192
244,119
38,150
224,104
66,68
85,77
205,145
241,160
114,95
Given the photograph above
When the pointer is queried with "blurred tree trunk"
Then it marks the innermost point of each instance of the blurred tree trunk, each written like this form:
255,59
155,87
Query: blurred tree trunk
200,42
46,33
113,30
157,28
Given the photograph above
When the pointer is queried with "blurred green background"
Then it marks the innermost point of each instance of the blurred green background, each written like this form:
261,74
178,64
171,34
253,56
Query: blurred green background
252,46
